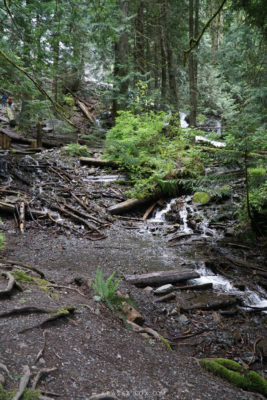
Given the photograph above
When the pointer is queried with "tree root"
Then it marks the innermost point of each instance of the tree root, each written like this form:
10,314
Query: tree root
10,286
26,266
23,382
64,312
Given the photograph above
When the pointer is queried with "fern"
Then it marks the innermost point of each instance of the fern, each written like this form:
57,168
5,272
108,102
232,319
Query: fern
105,290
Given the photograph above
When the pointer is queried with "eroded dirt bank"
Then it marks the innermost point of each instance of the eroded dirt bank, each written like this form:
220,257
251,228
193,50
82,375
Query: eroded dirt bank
92,349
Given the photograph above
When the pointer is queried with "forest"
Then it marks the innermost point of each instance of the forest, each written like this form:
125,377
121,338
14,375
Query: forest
133,142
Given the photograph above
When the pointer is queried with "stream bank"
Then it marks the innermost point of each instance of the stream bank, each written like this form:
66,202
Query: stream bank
100,342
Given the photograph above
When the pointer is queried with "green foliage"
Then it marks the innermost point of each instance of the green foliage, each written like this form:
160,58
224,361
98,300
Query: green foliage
154,150
28,394
105,290
2,240
236,374
201,197
69,100
75,150
22,276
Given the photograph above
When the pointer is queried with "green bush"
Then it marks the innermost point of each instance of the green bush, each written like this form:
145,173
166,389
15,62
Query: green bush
153,149
2,240
105,290
75,149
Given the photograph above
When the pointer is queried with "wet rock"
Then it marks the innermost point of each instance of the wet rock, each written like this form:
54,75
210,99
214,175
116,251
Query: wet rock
183,319
164,289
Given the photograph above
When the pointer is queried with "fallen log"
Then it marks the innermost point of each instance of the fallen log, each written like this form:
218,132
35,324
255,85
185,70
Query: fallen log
216,305
15,137
97,162
161,277
202,286
127,205
86,111
166,298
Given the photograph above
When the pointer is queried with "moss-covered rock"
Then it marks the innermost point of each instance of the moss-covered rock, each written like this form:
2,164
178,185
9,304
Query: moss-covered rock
236,374
201,197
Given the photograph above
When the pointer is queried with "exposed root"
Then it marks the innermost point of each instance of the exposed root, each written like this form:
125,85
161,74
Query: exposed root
10,286
60,314
23,382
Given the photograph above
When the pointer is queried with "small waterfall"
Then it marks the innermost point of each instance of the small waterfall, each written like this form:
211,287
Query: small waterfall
221,283
183,122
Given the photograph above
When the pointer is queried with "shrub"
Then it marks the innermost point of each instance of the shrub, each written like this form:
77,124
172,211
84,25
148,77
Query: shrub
75,149
153,149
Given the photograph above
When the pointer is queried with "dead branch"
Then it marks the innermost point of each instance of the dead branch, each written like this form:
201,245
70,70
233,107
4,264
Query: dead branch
62,224
149,211
89,216
254,350
40,353
67,287
23,382
62,209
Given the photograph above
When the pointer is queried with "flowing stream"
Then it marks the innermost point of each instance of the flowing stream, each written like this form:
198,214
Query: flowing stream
201,230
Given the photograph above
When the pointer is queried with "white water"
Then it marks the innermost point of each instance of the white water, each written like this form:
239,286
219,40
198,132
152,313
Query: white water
221,283
183,122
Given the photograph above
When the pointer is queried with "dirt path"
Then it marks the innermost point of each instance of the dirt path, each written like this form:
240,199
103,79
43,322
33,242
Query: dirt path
92,349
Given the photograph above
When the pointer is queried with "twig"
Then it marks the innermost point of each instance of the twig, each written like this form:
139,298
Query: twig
23,382
66,287
254,350
39,355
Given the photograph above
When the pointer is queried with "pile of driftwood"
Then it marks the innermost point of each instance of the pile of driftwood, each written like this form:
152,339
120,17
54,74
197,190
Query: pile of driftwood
48,193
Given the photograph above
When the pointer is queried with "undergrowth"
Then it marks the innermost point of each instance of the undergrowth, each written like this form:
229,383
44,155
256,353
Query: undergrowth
75,149
156,152
106,291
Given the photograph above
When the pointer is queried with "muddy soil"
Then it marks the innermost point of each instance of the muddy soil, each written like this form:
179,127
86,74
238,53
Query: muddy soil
92,348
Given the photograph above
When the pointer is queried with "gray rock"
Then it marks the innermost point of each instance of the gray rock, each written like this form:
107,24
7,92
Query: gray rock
164,289
182,319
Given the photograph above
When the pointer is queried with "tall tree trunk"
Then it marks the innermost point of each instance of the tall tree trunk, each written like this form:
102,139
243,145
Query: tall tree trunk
163,66
193,32
140,40
121,53
172,78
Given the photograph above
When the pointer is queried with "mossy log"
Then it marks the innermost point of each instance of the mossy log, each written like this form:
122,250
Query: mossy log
236,374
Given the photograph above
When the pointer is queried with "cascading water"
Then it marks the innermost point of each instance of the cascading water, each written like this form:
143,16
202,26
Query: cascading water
188,211
250,298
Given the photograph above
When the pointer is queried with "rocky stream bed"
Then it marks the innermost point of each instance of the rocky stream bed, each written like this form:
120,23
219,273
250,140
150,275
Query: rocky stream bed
87,350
